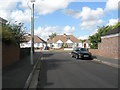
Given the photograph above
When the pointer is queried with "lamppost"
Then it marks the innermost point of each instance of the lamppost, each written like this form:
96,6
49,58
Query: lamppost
32,31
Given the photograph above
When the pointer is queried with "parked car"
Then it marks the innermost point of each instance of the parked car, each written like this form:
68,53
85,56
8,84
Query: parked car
81,53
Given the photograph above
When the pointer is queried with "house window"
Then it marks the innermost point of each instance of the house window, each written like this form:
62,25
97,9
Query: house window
59,44
70,45
38,44
68,38
22,44
51,45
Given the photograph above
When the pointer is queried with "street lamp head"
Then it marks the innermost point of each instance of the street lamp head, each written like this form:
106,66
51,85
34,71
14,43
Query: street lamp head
32,0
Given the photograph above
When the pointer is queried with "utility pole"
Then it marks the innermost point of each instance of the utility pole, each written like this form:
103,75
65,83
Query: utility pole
32,32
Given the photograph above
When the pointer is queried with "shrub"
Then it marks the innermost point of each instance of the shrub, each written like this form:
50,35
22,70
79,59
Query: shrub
12,34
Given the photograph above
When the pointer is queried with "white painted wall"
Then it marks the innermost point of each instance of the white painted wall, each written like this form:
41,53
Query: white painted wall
59,41
87,45
28,45
69,41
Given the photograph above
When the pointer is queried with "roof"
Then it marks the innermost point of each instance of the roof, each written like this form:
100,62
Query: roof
114,31
36,39
63,38
3,20
87,41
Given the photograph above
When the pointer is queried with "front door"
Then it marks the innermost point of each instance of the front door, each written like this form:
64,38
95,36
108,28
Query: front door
85,45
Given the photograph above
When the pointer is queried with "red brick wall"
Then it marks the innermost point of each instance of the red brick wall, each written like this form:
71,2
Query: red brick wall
10,54
108,48
94,51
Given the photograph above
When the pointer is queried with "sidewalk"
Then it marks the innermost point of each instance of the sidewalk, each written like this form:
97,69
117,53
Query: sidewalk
16,75
108,61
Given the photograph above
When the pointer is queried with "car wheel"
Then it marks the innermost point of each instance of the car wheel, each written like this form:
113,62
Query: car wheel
77,56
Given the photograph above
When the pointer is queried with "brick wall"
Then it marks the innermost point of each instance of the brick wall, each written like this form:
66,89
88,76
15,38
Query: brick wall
109,47
10,54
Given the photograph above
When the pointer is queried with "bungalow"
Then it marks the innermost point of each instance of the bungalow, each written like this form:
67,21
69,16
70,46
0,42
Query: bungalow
38,42
68,41
2,21
86,44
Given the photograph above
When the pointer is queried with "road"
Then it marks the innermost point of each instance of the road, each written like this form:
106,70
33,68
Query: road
59,70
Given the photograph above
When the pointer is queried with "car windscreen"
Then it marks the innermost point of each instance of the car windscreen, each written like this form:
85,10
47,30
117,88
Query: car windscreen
83,49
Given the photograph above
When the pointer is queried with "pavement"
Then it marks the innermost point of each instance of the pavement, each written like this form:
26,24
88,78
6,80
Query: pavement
107,61
15,76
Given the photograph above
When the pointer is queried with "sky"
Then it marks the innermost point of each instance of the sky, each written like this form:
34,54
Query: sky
80,18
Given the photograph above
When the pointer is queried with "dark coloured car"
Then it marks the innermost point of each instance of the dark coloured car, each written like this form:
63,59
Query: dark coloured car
81,53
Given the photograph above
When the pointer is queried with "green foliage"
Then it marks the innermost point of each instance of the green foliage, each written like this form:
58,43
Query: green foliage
65,45
96,38
52,35
118,24
12,34
83,40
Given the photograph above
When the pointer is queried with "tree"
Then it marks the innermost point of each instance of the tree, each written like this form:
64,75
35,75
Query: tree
65,45
83,40
52,35
96,38
12,33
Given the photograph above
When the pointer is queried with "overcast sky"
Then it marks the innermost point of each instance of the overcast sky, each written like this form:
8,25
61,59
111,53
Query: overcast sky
80,18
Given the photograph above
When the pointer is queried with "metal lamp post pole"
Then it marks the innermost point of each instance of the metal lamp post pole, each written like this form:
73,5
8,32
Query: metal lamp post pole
32,33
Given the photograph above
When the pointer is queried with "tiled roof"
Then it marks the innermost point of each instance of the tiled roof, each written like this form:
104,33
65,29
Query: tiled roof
63,38
87,41
3,20
114,31
36,39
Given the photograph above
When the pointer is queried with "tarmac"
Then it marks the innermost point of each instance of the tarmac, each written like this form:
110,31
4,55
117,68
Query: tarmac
16,75
28,74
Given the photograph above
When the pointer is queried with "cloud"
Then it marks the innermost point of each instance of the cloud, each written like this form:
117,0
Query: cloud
83,37
3,14
112,22
86,25
44,7
68,30
48,30
73,13
91,18
21,16
112,5
8,4
9,8
94,32
88,14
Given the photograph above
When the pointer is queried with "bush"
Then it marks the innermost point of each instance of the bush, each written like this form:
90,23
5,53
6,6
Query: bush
12,34
65,45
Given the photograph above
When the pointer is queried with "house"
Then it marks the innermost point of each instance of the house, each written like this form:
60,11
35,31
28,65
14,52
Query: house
69,41
38,42
110,46
3,21
86,44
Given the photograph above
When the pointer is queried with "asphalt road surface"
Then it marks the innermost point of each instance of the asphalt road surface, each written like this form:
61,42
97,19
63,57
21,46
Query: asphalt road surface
59,70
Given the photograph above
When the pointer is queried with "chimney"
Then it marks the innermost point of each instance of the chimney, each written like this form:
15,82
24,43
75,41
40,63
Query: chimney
64,34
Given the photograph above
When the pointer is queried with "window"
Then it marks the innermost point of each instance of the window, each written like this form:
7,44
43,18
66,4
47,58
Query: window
38,44
70,45
68,38
83,49
59,44
22,44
